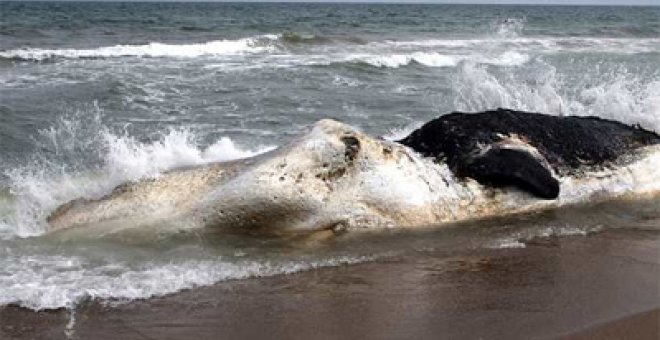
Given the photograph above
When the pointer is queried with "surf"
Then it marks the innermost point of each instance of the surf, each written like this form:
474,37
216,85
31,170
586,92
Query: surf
257,44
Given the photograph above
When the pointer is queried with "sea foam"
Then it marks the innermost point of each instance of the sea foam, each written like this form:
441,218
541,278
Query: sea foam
50,282
622,96
519,239
48,181
257,44
435,59
536,44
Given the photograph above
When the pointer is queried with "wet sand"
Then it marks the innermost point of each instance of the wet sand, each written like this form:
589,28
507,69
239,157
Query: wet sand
639,326
603,286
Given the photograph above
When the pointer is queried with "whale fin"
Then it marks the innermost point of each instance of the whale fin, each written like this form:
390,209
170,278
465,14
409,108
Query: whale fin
500,167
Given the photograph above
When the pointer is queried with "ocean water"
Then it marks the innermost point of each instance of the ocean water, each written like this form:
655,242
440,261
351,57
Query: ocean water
96,94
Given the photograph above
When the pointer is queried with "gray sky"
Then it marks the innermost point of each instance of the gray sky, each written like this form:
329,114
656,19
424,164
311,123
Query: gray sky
531,2
528,2
539,2
502,2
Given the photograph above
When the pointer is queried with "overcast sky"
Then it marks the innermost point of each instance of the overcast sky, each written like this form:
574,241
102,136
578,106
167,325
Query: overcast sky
533,2
504,2
538,2
530,2
561,2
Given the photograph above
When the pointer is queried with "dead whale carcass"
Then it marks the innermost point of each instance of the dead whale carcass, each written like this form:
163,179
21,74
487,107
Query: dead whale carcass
457,167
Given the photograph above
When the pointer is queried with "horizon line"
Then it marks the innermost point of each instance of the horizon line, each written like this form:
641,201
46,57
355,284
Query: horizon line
347,2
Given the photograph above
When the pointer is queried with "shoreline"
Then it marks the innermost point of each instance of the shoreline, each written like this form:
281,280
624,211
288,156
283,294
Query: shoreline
640,326
568,287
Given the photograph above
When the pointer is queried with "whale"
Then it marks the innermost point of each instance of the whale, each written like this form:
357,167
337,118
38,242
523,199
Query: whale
457,167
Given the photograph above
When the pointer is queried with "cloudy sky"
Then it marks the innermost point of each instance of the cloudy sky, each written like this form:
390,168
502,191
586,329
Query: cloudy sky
528,2
534,2
562,2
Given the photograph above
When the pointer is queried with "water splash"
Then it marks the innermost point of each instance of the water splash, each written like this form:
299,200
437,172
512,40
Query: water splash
83,158
509,27
538,87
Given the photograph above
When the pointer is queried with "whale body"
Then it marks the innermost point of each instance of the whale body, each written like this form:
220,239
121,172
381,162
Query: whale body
457,167
528,150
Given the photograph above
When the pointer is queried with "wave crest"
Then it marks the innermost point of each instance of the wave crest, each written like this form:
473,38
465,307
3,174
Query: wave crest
57,175
434,59
259,44
623,96
62,282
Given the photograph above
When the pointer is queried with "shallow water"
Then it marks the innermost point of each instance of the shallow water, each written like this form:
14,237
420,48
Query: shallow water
66,268
92,95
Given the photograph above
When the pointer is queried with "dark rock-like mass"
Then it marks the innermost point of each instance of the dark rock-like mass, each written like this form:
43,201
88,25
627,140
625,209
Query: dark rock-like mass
501,167
568,144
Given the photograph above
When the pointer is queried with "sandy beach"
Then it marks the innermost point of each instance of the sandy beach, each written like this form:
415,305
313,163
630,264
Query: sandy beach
603,286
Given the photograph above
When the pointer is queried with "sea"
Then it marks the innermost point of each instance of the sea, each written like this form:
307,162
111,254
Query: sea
95,94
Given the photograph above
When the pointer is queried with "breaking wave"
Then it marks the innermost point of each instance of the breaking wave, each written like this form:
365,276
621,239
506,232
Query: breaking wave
537,44
41,273
64,281
434,59
385,53
259,44
59,174
620,95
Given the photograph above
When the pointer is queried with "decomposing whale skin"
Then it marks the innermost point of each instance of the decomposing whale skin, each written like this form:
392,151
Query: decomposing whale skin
527,150
334,176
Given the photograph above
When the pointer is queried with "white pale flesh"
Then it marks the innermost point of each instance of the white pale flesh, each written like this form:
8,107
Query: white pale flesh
312,184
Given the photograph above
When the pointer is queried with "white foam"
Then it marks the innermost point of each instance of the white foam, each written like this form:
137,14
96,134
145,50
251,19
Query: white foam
397,60
428,52
507,243
434,59
129,159
155,49
509,27
477,89
520,238
624,97
508,58
47,282
341,81
399,133
537,44
44,184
